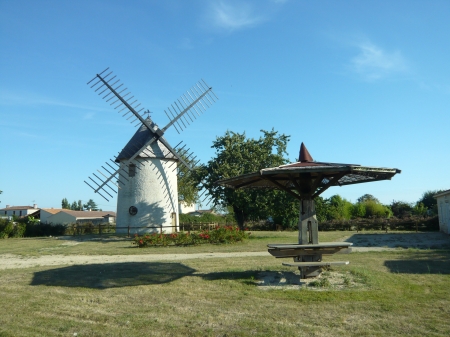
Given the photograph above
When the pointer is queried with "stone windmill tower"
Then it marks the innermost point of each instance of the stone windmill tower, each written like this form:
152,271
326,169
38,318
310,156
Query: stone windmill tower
146,171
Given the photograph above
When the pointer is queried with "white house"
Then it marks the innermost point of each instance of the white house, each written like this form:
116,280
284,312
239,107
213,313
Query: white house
19,211
65,217
184,208
45,213
443,202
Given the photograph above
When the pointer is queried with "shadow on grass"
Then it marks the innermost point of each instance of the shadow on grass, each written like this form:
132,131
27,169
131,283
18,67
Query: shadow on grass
421,240
433,263
246,276
111,275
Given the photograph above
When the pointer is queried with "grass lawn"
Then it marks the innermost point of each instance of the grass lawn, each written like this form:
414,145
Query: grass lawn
402,292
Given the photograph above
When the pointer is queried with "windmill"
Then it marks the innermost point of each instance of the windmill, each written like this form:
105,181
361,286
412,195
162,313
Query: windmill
146,171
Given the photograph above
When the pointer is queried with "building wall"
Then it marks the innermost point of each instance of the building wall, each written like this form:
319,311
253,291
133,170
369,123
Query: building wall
154,192
17,212
443,202
60,218
184,208
63,218
45,215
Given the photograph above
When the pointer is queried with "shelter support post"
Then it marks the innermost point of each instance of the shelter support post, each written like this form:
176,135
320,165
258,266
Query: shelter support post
308,233
308,229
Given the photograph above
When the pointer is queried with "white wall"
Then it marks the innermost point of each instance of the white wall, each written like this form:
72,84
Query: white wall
183,208
154,192
18,212
45,215
61,218
443,202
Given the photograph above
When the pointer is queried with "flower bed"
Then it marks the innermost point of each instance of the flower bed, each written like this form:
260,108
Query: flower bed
220,234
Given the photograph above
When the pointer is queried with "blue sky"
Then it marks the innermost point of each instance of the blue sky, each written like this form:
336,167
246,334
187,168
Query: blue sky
364,82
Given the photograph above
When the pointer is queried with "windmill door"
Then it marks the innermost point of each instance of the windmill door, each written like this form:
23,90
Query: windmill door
174,222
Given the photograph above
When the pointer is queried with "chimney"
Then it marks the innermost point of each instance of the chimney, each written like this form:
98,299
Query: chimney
7,206
34,205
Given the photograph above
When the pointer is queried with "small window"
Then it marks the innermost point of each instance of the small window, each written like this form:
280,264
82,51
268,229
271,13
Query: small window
20,213
14,212
131,170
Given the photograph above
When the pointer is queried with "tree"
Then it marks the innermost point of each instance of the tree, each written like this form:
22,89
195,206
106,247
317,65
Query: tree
376,210
358,210
429,201
340,209
65,204
401,209
91,205
188,181
367,197
420,209
76,206
235,155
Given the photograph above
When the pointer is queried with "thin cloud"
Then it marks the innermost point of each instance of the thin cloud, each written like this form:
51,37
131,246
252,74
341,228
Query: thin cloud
236,16
374,63
10,98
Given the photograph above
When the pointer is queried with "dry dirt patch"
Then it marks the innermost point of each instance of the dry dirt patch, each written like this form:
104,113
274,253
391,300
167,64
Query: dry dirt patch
328,280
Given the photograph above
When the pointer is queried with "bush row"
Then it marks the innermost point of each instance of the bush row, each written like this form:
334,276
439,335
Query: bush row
19,229
24,227
410,223
218,235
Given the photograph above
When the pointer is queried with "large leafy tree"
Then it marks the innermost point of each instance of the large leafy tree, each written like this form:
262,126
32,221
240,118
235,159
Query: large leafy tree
187,184
235,155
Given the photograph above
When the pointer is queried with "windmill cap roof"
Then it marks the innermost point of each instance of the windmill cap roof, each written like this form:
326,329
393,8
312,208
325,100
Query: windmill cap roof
155,150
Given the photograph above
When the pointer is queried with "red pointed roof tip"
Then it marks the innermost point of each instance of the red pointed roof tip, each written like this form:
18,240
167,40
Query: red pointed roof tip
304,154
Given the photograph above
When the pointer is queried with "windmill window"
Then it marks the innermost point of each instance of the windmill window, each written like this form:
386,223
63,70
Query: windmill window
131,170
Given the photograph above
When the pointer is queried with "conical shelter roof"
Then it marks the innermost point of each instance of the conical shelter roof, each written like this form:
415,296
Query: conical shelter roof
307,179
155,150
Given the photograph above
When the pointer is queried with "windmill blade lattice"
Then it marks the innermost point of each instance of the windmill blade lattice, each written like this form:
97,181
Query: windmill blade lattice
194,102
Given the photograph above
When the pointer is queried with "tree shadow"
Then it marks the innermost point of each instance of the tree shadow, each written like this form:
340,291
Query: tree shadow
154,215
433,240
112,275
246,276
432,263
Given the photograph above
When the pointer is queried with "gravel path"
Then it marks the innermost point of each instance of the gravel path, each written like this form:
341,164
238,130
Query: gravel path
361,243
10,261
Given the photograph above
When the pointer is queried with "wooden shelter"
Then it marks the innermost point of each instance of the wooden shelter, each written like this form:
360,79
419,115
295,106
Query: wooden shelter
305,180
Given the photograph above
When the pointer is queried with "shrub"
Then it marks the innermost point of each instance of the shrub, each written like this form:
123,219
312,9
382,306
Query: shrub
218,235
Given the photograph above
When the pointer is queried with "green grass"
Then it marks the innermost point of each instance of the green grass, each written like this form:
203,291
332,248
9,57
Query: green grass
405,292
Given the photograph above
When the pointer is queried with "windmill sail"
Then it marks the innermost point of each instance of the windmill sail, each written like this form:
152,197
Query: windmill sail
195,101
